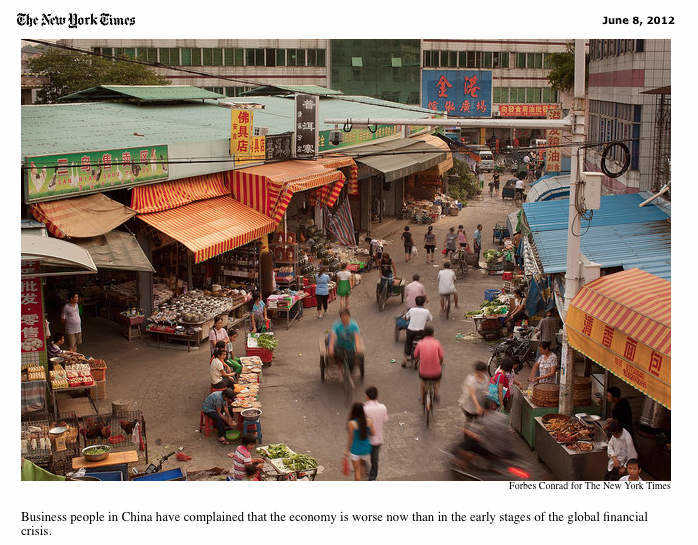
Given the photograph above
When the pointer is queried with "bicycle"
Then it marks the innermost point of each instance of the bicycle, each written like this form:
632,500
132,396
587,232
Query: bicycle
447,307
518,197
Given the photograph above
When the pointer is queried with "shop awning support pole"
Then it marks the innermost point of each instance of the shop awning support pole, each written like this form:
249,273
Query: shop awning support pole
572,275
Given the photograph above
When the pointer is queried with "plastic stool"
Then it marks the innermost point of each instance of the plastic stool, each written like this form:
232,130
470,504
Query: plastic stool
205,424
252,425
212,389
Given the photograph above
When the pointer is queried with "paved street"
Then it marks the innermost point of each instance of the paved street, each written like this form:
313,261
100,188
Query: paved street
169,385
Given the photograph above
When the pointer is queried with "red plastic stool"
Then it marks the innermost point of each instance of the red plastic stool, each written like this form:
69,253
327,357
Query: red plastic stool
205,424
212,389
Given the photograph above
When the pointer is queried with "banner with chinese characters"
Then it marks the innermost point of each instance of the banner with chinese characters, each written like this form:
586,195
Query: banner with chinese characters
553,137
51,176
460,93
358,135
32,338
306,128
241,122
258,148
630,360
526,110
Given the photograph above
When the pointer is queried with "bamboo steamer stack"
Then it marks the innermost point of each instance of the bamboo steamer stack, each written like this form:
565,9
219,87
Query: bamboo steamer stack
546,395
581,391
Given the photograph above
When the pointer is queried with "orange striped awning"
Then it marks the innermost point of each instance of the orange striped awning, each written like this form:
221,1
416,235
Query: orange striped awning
269,188
211,227
175,193
623,322
82,217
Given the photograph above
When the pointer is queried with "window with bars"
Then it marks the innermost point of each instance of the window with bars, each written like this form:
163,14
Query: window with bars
107,51
487,59
270,57
549,95
521,60
147,54
533,95
616,121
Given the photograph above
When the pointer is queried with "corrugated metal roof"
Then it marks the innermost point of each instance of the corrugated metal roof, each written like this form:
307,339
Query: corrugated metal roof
64,128
284,89
143,93
553,187
615,210
646,246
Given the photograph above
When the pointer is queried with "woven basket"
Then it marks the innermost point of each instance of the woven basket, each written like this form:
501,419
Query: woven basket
581,391
546,395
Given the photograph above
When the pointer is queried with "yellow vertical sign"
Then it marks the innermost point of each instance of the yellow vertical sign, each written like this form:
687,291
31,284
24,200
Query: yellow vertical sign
258,148
241,122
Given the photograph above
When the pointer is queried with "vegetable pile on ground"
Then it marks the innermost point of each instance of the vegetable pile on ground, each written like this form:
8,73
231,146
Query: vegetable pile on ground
491,255
300,462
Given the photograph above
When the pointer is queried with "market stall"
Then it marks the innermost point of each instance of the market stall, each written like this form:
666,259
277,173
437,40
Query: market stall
283,464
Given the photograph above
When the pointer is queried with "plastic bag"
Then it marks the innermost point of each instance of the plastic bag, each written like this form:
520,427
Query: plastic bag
345,466
414,250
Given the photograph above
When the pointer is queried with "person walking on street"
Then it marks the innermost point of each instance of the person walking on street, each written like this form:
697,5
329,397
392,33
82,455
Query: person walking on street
474,391
407,241
378,415
450,243
462,240
491,185
477,243
430,244
343,286
322,292
72,325
359,429
495,179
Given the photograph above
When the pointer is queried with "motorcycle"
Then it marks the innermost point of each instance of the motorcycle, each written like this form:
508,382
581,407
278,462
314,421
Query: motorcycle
520,348
466,465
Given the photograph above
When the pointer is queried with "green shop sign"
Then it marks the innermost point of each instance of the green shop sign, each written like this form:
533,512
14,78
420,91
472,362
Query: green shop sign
50,176
358,135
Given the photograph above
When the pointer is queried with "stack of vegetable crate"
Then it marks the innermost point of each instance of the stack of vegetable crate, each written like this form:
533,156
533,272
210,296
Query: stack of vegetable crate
261,345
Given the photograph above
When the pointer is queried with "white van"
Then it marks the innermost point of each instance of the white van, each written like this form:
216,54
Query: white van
486,160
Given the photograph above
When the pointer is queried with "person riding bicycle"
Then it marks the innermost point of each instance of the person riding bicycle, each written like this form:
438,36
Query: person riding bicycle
430,354
388,271
345,339
447,285
418,317
450,245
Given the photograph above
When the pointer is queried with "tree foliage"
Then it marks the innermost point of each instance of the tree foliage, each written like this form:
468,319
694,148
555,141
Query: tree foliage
67,72
466,186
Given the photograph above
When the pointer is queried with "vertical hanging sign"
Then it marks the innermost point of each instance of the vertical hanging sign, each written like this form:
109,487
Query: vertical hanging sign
305,138
32,338
553,137
241,122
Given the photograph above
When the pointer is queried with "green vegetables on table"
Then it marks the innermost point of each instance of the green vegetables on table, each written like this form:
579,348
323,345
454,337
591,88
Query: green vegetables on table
277,450
300,462
96,451
267,341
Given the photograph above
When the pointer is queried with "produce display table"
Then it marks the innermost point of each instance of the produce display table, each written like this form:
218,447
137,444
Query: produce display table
115,461
524,414
291,313
570,465
132,326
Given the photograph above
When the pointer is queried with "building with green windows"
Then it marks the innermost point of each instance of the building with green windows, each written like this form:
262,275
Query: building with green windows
385,69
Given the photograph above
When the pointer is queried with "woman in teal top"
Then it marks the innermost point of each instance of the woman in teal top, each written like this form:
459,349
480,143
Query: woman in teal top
359,428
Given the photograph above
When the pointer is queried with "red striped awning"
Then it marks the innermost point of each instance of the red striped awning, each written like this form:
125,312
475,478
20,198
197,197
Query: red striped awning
175,193
269,188
82,217
623,322
211,227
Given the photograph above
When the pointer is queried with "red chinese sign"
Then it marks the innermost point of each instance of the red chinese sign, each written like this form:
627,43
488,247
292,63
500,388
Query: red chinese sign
553,137
526,110
32,321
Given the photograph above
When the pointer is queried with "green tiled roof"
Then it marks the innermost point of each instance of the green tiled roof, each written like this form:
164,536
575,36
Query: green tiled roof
142,93
65,128
266,90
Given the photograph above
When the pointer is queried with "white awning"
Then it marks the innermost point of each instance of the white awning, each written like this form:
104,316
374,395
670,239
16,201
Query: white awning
56,257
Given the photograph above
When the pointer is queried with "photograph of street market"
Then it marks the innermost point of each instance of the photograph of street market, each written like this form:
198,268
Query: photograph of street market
321,259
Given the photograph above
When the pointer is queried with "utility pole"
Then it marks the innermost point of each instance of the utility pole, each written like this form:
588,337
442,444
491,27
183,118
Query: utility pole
572,275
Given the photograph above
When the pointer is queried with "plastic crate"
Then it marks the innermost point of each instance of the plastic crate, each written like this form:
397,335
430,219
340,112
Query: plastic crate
310,302
176,474
264,354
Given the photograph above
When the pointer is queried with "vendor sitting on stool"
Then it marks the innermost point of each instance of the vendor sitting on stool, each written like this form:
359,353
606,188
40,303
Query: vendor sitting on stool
215,406
518,309
221,375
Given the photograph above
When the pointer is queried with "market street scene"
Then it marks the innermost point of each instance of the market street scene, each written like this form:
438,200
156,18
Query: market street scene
436,260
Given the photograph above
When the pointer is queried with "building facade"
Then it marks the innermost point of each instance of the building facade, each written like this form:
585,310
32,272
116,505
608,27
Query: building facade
621,72
248,63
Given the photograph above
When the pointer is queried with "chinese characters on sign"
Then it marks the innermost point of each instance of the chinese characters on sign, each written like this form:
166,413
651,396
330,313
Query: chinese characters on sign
464,93
358,135
278,146
241,146
526,110
306,129
553,137
32,321
53,175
